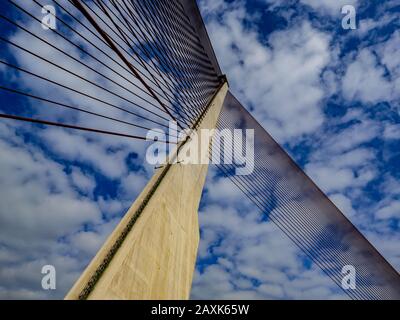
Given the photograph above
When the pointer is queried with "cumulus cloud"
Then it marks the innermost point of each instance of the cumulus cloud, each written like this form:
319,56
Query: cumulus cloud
367,25
83,182
63,192
290,75
324,7
40,205
390,211
49,215
364,80
53,208
277,72
249,260
329,7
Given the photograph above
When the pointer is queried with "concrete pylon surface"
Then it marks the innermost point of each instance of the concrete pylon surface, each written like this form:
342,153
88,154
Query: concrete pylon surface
152,252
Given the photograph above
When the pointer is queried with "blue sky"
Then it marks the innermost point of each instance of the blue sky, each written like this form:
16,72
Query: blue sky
330,96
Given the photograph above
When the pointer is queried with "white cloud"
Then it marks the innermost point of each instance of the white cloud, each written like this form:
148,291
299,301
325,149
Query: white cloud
330,179
367,25
40,205
329,7
37,199
48,211
288,75
364,80
324,7
338,166
42,215
352,136
82,181
72,146
392,210
273,76
392,132
389,52
251,262
344,204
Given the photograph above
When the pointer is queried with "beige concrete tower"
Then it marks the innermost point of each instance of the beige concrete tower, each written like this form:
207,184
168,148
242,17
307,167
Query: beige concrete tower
152,253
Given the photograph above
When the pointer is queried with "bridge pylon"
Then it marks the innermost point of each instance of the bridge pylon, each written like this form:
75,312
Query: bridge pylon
152,252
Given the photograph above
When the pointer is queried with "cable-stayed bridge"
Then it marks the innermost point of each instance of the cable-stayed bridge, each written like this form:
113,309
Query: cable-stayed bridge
135,66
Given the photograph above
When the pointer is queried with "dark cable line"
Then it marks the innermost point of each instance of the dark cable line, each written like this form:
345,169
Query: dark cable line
31,16
247,188
314,185
163,35
182,44
163,30
83,36
129,54
122,109
179,18
269,203
42,39
122,35
77,60
138,55
265,178
116,42
68,126
102,51
140,34
374,292
111,43
315,251
310,247
76,91
286,232
74,74
188,40
131,16
52,102
146,16
42,57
